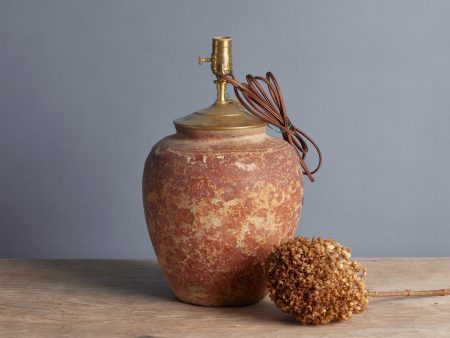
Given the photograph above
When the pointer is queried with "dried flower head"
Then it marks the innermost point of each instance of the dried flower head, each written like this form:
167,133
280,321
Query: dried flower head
315,280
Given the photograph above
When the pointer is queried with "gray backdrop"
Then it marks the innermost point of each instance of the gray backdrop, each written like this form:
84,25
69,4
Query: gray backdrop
87,87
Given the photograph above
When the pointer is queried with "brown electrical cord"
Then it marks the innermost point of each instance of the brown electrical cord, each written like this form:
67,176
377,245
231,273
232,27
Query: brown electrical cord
270,108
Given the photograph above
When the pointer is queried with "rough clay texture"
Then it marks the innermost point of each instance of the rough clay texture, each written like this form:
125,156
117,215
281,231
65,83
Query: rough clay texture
215,204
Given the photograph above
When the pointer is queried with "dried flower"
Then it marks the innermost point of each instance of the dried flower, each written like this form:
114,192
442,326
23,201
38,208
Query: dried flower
315,280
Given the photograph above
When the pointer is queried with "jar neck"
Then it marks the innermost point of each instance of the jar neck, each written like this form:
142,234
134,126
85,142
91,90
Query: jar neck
224,133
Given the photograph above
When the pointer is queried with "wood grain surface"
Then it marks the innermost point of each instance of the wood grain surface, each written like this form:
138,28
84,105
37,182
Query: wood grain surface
129,298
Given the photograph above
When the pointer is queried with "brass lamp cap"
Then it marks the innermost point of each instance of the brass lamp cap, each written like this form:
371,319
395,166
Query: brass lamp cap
220,116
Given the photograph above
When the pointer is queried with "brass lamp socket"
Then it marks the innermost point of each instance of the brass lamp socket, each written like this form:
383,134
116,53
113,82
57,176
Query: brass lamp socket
221,59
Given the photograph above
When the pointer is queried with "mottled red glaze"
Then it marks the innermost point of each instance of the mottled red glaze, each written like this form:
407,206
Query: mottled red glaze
216,202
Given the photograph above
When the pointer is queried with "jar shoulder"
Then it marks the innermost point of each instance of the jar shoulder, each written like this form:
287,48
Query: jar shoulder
242,159
186,144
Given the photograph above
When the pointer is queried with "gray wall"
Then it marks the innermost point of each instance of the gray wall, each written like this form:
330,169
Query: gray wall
87,87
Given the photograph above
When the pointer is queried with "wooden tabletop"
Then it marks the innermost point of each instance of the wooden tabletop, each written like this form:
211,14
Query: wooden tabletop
129,298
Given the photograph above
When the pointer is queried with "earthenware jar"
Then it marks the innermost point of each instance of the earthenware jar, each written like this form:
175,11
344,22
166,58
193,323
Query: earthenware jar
218,195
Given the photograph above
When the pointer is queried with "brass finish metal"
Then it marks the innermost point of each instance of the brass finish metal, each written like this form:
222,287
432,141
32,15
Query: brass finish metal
221,91
202,60
219,116
221,63
221,59
224,114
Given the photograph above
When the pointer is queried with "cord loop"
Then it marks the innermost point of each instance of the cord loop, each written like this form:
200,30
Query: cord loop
269,107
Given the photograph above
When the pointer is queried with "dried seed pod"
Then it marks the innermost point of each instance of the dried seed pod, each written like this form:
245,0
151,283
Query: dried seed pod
315,280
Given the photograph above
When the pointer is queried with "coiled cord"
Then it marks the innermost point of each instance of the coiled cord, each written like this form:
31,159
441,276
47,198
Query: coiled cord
269,107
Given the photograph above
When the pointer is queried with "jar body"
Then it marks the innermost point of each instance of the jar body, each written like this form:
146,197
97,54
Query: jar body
216,202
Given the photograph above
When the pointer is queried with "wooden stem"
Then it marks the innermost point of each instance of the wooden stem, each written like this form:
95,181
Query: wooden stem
407,293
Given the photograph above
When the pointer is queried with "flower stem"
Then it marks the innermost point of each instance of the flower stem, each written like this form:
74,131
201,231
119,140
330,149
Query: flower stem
407,293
